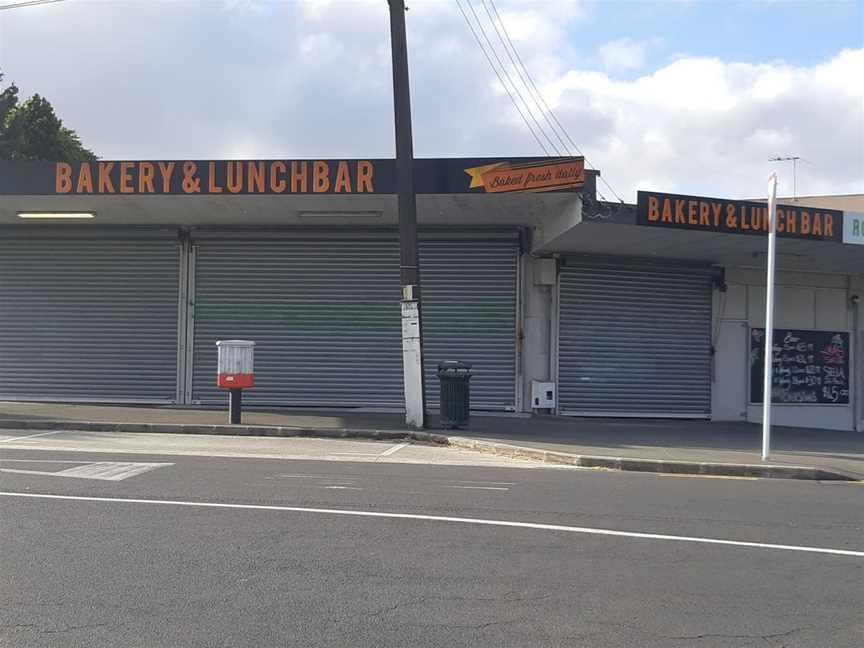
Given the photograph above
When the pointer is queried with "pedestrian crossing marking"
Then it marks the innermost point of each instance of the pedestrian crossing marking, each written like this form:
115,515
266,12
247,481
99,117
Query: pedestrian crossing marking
101,470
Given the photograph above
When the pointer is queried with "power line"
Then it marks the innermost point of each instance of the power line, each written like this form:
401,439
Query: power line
28,3
521,76
510,79
498,74
543,101
545,105
526,78
543,109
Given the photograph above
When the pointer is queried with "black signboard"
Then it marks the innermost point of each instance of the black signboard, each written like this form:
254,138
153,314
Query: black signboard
191,177
702,214
810,367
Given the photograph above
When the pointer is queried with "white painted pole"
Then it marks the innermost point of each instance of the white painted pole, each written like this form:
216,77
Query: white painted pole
769,318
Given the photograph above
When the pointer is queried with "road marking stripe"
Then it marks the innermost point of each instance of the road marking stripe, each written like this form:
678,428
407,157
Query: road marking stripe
110,470
21,471
66,461
443,518
495,488
30,436
319,477
468,481
393,450
338,487
103,470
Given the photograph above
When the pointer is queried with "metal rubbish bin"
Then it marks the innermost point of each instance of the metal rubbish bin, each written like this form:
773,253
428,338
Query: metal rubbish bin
455,380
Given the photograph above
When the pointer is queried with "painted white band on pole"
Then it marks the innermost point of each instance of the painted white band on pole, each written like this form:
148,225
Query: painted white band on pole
769,318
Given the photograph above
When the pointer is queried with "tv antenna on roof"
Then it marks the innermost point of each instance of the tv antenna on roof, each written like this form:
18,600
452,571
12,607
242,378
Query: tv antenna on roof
794,159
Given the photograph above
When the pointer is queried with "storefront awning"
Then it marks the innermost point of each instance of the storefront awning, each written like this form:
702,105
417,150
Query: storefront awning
708,230
715,248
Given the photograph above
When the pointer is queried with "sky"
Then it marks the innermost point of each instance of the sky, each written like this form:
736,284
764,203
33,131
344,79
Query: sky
684,96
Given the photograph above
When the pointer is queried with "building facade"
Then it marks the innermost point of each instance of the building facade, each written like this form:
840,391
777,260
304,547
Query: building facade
117,278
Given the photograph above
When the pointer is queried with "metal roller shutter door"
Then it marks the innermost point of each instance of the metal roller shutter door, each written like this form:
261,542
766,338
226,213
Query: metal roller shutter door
324,314
89,318
634,338
469,314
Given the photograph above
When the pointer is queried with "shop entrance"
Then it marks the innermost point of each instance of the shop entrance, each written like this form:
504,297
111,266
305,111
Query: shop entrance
323,310
634,338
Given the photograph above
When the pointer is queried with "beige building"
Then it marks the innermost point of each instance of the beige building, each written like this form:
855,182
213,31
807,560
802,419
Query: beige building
843,202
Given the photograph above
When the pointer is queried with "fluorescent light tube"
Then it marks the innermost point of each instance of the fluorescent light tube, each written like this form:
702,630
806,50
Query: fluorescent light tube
56,215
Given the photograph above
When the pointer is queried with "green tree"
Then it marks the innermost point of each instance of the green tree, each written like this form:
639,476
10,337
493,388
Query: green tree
31,130
8,100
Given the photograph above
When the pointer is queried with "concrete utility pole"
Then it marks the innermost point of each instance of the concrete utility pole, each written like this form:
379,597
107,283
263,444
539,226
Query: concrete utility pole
409,257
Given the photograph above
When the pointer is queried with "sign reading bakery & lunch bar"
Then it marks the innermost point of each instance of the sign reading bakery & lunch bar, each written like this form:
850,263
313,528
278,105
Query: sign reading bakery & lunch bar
225,177
215,177
736,216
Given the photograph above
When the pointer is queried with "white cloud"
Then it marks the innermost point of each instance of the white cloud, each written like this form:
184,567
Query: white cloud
173,80
529,24
622,54
705,126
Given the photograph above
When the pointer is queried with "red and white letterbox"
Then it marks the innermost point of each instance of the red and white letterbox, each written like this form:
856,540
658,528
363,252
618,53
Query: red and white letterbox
236,364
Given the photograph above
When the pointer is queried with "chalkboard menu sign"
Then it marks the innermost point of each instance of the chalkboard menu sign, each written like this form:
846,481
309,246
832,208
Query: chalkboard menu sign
809,366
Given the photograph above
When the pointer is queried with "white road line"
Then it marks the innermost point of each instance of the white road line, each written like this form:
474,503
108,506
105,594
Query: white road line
490,483
102,470
336,487
334,477
386,453
443,518
393,450
21,471
111,470
495,488
30,436
66,461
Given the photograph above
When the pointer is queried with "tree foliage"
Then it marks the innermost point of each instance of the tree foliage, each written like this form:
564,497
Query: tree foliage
31,130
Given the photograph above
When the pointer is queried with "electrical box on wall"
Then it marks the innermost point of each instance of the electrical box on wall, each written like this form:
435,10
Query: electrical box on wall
545,271
543,395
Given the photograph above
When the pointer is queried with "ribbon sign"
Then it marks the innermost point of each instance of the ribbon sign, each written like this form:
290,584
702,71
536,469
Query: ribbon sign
505,177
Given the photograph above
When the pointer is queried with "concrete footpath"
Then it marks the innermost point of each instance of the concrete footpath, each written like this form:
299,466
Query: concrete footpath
647,445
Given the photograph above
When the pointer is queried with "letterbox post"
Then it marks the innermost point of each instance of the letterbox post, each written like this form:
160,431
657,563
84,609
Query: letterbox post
236,371
235,405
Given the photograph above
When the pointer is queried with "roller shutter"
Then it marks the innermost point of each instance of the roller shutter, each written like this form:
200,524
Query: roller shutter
89,318
469,314
324,314
634,338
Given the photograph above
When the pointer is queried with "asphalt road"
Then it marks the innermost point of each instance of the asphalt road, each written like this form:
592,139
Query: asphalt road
185,573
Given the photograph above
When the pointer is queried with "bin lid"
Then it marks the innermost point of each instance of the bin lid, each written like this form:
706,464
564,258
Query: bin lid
235,343
454,365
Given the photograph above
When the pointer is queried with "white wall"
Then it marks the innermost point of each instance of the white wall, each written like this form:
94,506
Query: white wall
536,327
802,300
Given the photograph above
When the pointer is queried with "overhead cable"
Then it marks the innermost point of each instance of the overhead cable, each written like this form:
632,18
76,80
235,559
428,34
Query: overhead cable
525,83
498,74
510,79
546,109
28,3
